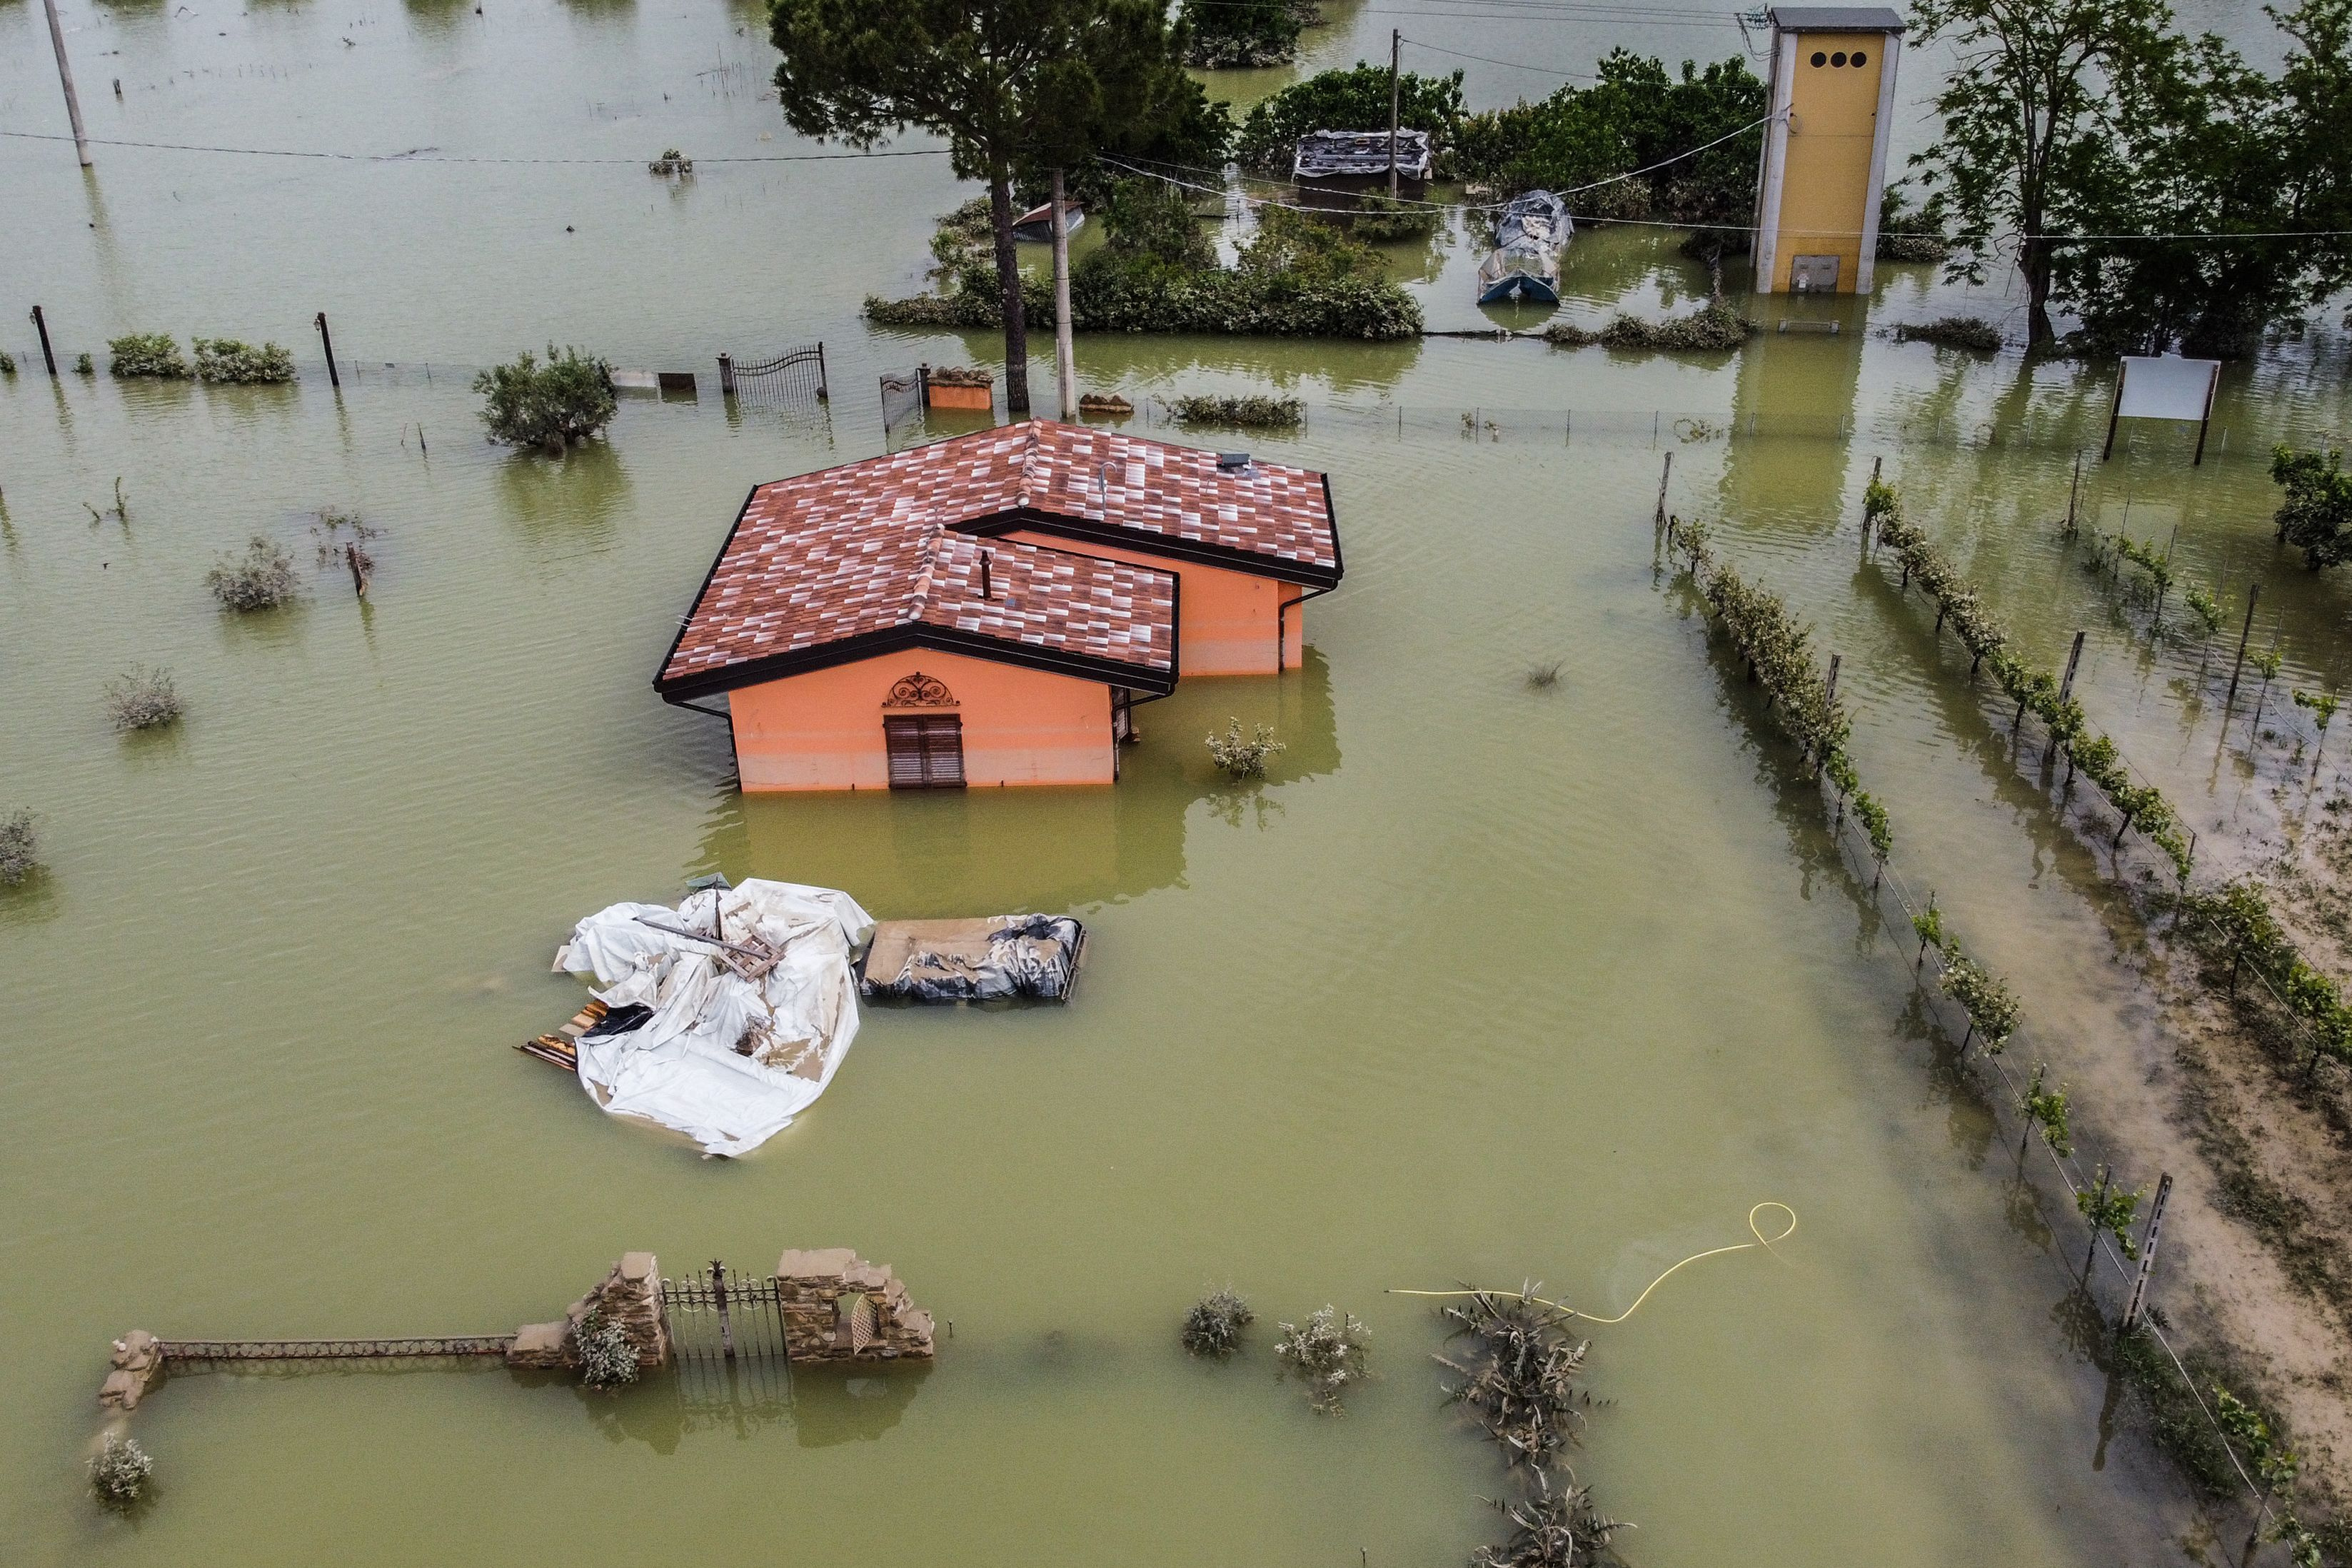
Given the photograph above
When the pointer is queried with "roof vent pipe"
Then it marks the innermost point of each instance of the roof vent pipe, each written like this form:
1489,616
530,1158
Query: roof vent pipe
1232,462
983,576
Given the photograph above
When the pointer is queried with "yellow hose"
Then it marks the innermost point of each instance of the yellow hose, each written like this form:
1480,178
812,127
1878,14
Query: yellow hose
1754,1229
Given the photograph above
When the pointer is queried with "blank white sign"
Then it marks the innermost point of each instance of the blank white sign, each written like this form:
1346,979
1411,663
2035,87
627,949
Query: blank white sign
2166,388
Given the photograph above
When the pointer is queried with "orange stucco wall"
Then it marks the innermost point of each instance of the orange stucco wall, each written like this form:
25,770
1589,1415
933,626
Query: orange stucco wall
1825,192
823,730
1224,620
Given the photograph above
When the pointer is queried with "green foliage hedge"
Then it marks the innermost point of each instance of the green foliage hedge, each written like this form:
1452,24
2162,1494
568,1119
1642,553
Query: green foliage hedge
2031,687
1713,328
154,354
226,359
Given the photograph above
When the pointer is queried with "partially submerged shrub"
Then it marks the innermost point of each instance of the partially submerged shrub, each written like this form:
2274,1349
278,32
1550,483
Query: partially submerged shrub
1244,757
608,1357
146,353
82,365
1329,1351
1551,1530
262,579
1519,1380
1544,677
19,848
118,1470
142,699
8,363
1712,328
568,398
1213,1326
1241,413
672,164
1377,219
960,375
227,359
1971,333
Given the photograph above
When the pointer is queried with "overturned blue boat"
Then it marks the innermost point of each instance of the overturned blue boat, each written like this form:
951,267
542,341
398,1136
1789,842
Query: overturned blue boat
1525,263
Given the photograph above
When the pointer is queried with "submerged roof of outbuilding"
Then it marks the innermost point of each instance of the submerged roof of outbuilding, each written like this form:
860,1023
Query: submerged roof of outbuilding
879,554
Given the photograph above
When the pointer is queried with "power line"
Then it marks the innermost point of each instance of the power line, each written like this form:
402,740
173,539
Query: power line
1515,65
423,157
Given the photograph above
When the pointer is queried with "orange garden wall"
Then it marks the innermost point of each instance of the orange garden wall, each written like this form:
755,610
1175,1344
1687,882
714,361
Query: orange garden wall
1224,620
823,730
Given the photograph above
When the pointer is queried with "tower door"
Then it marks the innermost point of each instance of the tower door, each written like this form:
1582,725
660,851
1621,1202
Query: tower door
1813,274
925,749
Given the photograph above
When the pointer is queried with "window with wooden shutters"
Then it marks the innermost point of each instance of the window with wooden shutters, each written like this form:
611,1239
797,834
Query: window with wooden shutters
925,751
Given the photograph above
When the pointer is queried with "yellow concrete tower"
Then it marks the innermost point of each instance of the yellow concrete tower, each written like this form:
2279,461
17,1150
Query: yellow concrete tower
1825,149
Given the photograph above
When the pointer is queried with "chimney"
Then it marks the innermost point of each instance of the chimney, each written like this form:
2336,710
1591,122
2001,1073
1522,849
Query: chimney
983,576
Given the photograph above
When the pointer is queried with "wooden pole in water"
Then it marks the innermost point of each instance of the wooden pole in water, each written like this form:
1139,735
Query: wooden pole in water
48,355
2147,1253
1396,60
65,79
327,342
2074,493
1666,474
1065,364
2253,596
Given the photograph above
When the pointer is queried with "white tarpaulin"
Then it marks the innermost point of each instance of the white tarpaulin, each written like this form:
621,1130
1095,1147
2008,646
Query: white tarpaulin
2166,388
724,1040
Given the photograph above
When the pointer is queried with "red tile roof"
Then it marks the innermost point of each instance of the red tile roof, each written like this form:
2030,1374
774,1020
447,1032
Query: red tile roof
868,550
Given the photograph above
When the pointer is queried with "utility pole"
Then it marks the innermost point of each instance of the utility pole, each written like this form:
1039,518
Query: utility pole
1065,364
73,104
1396,58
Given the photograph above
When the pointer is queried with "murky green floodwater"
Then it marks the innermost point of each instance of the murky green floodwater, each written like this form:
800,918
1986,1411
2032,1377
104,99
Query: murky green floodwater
1483,983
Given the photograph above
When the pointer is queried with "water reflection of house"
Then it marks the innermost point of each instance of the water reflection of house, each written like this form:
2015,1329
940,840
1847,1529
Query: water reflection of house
989,610
949,853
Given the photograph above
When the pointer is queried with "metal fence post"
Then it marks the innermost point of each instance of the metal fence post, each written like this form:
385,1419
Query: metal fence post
327,342
718,1297
823,384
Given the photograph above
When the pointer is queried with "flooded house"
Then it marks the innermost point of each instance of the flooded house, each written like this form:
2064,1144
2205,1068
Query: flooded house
991,609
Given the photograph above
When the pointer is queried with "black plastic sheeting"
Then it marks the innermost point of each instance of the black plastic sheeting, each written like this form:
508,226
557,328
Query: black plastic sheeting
1028,957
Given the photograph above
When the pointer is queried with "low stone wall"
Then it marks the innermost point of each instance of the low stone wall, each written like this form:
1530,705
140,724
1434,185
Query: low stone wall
630,1296
837,1307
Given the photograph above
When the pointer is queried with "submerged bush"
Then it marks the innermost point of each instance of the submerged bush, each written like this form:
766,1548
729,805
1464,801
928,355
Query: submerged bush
1213,1326
146,353
19,848
608,1357
1712,328
227,359
82,365
1971,333
1244,757
1551,1530
1329,1351
119,1471
1241,412
262,579
8,363
142,699
1229,34
568,398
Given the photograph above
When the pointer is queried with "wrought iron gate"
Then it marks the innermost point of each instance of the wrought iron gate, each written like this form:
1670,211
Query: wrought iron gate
902,397
722,1314
795,376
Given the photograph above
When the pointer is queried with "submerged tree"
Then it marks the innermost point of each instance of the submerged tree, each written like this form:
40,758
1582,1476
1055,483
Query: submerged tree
2043,97
550,405
1016,87
2317,515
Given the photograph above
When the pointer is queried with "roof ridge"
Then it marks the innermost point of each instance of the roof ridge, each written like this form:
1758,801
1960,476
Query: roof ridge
927,573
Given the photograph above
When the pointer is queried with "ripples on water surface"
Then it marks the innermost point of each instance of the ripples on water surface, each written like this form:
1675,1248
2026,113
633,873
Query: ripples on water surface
1486,983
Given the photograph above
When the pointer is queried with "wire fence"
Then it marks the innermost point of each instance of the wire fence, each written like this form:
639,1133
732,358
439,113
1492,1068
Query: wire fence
1880,884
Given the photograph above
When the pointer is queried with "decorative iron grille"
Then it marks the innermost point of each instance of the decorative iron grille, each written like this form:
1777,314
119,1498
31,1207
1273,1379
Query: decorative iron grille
795,376
723,1314
902,397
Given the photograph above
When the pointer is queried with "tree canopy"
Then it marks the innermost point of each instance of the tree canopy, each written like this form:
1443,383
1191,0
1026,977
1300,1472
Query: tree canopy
1016,87
2116,158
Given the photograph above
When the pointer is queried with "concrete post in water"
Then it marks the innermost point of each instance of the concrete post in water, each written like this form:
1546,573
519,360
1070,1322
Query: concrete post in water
327,342
1836,660
65,79
48,355
1396,57
2147,1253
2254,595
2074,657
726,375
1065,364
